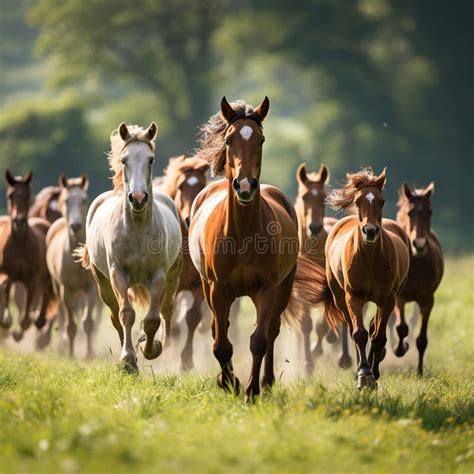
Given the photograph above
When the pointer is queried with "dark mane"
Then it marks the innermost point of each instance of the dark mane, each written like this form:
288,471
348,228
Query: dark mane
211,137
343,198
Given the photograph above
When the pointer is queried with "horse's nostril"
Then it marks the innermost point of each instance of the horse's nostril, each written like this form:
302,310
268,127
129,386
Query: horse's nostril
236,184
188,221
315,228
253,183
130,198
377,230
364,229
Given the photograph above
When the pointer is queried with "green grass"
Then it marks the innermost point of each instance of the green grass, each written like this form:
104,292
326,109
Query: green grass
61,416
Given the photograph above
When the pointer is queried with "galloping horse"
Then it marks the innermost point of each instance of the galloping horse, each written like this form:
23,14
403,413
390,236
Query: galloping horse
23,256
367,259
243,238
133,243
73,284
426,264
313,228
183,179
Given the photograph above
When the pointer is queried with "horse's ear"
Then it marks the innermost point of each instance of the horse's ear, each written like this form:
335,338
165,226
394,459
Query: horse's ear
84,182
124,133
381,179
301,174
28,176
405,190
9,178
152,131
429,190
62,181
262,110
323,174
227,111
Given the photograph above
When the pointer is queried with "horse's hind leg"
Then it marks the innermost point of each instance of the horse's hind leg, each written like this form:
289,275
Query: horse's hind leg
402,329
120,286
306,327
193,318
422,340
5,316
322,329
71,327
88,321
281,302
345,361
25,322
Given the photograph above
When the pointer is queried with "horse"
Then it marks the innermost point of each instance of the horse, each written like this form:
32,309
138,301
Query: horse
426,264
243,239
367,259
183,179
45,204
23,257
313,228
74,285
133,243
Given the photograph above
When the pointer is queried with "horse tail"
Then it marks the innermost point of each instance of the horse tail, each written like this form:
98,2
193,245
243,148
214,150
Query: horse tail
140,295
310,289
81,255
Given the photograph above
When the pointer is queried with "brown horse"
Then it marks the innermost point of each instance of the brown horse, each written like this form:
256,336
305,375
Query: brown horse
22,255
74,285
183,179
313,228
243,238
46,204
426,264
367,259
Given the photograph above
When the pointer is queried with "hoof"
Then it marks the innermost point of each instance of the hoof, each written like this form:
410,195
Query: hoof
42,341
267,383
318,351
7,321
187,365
17,335
365,379
128,364
402,349
309,367
232,384
40,322
156,350
345,362
331,337
250,398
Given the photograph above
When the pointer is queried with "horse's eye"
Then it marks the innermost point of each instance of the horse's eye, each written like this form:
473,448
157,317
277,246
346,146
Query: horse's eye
152,160
263,140
383,203
124,161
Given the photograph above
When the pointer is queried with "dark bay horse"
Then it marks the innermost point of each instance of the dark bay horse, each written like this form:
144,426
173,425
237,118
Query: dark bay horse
313,228
23,255
183,179
367,259
426,264
243,238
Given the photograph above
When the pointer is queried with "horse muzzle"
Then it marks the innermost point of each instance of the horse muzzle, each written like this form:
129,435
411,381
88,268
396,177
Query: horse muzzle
315,229
76,227
419,247
20,224
138,201
245,189
370,233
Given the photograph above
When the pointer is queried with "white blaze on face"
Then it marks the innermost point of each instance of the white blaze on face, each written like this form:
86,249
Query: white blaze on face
193,180
370,197
246,132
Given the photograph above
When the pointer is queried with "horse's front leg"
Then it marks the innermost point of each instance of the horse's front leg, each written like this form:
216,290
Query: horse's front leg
378,335
25,321
306,327
345,361
219,302
150,348
120,286
402,329
193,318
88,320
5,316
426,305
264,301
355,306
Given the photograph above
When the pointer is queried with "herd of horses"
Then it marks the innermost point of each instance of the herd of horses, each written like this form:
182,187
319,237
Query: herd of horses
147,240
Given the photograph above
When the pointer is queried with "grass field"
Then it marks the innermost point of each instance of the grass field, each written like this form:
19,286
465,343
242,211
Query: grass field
61,416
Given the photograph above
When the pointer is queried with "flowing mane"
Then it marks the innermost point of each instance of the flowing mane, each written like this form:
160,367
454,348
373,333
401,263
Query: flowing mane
137,134
177,165
211,137
343,198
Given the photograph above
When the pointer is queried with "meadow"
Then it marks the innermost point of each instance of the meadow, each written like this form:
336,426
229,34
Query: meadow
75,416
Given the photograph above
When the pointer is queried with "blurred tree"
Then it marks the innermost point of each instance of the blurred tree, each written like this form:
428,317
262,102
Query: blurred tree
161,46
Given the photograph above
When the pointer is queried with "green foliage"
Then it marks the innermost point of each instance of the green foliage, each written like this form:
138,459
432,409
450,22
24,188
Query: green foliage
58,415
47,137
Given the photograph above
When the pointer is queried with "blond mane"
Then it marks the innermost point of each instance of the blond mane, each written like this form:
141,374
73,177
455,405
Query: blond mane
137,134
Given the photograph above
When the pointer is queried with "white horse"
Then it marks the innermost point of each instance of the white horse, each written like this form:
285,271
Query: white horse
133,243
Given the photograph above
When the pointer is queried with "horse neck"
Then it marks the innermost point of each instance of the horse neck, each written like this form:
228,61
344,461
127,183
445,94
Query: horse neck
241,218
302,234
403,219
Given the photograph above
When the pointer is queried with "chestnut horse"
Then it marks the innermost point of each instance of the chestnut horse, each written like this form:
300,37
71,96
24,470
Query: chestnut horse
243,238
426,264
133,243
313,228
183,179
23,256
74,285
367,259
